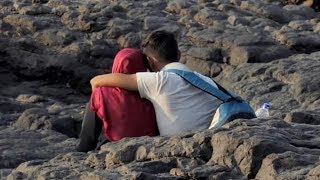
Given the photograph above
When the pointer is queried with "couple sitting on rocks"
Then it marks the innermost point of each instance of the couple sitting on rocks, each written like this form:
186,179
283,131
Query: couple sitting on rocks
117,108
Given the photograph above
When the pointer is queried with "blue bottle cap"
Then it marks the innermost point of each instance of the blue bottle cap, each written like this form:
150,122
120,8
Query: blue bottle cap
266,106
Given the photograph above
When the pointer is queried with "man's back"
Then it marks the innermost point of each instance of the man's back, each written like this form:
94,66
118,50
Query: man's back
179,105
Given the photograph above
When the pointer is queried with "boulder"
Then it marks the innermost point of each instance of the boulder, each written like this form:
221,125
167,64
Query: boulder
37,118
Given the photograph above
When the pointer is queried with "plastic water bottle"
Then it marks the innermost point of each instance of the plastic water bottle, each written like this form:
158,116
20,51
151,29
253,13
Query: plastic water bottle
263,112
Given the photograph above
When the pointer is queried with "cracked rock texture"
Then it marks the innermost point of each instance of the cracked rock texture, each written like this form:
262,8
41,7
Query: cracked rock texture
263,50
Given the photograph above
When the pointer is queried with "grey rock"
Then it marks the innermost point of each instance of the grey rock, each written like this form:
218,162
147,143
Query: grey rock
151,167
34,10
4,173
37,118
296,165
203,67
210,17
108,175
305,12
314,173
153,22
77,22
317,28
21,3
119,27
29,98
215,172
233,10
9,106
307,117
249,54
177,5
274,12
16,175
28,145
27,170
28,23
54,37
303,41
101,48
286,84
130,40
301,25
206,54
5,26
209,35
248,152
29,60
50,49
40,1
244,153
233,20
173,28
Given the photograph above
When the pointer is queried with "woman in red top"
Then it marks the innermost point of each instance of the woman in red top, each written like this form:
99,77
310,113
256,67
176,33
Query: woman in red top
122,113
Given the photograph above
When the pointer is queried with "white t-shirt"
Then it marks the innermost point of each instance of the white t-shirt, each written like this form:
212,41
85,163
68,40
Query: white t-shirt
179,106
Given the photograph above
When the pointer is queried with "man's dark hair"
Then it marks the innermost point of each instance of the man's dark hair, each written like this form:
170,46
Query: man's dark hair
162,45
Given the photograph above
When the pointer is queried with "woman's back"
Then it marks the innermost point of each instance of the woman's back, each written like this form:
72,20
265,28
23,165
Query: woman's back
124,113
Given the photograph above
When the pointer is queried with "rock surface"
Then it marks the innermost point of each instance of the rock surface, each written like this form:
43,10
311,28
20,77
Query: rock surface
264,50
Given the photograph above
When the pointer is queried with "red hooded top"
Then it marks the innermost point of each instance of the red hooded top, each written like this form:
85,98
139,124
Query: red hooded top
124,113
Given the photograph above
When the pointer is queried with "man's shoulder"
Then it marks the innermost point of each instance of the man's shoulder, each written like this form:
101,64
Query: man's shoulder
176,65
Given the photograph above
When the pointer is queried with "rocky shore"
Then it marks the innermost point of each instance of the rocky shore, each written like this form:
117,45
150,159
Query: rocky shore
264,50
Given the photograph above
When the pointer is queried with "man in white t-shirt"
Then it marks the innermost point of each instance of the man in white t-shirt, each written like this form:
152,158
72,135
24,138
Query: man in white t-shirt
179,106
